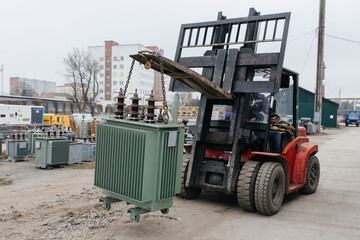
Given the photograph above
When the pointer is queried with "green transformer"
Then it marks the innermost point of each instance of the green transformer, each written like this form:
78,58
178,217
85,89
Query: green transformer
31,136
51,151
139,163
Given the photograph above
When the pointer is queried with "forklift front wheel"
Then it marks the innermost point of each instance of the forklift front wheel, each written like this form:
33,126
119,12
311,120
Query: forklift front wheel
269,188
246,185
186,192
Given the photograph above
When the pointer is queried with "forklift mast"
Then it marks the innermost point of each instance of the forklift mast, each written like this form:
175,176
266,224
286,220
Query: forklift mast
231,63
231,53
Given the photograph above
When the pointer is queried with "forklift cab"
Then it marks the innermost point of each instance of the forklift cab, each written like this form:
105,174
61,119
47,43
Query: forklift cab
258,120
270,140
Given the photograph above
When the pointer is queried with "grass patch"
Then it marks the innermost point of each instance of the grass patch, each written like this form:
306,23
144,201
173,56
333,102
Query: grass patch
84,165
4,181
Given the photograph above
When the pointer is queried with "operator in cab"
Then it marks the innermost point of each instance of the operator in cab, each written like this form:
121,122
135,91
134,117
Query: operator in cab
257,110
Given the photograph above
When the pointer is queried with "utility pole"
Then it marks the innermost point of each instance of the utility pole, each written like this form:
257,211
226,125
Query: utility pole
320,67
354,103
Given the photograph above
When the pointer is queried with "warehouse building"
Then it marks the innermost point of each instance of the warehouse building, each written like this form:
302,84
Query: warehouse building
30,87
306,106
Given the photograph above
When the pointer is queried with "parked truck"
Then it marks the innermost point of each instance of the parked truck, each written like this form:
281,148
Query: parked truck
352,117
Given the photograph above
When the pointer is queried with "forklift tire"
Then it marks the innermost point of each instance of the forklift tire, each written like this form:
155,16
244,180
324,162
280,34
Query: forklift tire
186,192
246,185
269,188
312,176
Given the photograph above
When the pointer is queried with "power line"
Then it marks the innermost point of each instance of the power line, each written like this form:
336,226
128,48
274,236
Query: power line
303,35
294,39
341,38
307,57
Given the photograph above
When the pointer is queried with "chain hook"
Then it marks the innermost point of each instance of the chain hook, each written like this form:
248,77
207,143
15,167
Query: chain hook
165,106
129,76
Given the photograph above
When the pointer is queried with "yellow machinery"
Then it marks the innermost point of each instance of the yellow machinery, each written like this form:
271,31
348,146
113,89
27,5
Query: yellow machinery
187,111
60,120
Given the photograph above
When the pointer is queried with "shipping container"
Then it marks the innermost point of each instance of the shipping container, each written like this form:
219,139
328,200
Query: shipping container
81,116
21,114
60,120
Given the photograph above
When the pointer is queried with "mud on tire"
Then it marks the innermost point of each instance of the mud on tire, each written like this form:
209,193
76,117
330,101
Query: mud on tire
269,188
246,185
185,192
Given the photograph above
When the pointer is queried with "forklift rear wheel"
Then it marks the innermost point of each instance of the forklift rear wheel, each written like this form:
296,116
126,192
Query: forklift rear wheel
246,185
312,176
186,192
269,188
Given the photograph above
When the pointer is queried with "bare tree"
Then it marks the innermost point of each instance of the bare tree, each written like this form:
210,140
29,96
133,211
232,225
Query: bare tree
26,90
189,99
81,73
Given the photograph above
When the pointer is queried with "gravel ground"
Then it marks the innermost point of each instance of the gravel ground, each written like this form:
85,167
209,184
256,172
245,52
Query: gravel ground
63,204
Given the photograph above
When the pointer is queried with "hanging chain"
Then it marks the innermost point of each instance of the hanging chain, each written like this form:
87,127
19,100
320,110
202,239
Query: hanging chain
165,106
129,77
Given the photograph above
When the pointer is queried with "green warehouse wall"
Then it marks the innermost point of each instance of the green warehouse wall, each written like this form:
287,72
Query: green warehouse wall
306,108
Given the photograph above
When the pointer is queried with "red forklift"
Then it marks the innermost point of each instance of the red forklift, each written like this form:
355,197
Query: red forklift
247,154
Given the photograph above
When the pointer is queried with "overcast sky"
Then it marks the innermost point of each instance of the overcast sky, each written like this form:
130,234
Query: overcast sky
36,35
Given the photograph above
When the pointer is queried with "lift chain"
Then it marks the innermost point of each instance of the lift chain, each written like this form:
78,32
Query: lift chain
147,66
129,76
165,106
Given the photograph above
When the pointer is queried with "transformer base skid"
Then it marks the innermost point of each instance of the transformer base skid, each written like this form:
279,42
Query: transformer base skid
50,167
12,159
141,207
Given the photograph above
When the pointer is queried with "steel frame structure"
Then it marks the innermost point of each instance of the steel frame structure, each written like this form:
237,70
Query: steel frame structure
233,70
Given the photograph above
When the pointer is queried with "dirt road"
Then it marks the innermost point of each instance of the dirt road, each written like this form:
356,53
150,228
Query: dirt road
63,204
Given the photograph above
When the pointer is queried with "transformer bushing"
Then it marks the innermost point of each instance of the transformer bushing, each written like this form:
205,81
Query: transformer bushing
150,115
134,112
119,113
142,115
160,117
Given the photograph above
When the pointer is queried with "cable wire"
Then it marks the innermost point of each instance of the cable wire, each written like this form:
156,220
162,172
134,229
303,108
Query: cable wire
341,38
307,57
303,35
296,38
